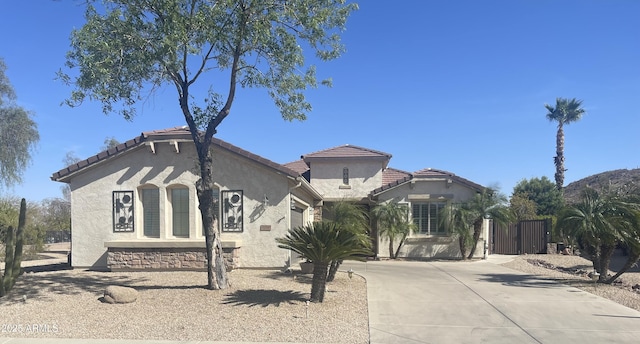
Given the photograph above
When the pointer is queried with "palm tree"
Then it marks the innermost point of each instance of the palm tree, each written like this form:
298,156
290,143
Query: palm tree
566,111
323,242
458,220
352,217
393,220
488,204
599,224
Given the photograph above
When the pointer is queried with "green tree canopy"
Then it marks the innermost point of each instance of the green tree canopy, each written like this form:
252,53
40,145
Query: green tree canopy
18,133
522,207
127,49
543,192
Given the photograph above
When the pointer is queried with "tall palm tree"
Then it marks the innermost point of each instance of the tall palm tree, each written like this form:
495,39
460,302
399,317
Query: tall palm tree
393,221
566,111
323,242
488,204
599,223
352,217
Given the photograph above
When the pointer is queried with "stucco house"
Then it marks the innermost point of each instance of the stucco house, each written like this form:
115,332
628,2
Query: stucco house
135,206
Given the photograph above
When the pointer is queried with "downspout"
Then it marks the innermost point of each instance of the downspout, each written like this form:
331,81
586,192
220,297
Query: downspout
288,214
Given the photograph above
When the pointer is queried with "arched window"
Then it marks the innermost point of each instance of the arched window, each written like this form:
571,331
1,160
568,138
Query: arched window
179,197
150,198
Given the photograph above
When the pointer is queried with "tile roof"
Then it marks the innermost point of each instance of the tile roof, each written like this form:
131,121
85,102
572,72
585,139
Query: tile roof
299,166
390,175
164,134
347,151
431,172
427,173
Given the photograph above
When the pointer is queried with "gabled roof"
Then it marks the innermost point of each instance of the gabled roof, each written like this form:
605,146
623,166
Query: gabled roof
347,152
178,134
390,175
299,166
424,174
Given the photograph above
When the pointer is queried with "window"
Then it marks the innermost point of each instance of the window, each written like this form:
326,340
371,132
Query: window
426,217
180,211
345,176
122,211
232,211
151,212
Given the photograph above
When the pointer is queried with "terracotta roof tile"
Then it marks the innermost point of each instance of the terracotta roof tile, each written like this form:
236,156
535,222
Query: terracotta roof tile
432,172
299,166
421,174
347,151
176,132
390,175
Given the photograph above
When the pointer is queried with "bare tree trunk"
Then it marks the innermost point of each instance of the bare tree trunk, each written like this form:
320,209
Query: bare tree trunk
333,269
216,267
633,258
391,249
477,229
319,282
404,237
606,251
463,247
558,160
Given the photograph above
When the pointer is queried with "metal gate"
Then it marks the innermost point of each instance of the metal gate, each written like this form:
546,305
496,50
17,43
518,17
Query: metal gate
524,237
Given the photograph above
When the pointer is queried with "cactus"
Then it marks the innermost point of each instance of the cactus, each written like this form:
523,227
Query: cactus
13,251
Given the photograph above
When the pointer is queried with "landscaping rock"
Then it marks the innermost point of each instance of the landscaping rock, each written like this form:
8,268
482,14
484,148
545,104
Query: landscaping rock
118,294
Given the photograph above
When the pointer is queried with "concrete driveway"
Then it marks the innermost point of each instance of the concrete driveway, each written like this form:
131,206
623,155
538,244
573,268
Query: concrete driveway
481,302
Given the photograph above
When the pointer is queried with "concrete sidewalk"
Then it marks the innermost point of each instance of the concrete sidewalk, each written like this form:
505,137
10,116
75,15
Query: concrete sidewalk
481,302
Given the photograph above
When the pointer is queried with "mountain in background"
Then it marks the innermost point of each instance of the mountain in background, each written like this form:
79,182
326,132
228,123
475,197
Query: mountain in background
623,181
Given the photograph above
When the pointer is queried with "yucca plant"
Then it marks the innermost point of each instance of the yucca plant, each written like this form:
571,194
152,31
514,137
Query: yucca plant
323,242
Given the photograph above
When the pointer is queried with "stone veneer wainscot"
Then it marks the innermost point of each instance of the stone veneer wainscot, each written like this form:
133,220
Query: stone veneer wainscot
165,255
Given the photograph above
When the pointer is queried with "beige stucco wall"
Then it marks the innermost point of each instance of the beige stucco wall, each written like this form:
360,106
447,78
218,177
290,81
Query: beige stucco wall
364,176
422,245
91,197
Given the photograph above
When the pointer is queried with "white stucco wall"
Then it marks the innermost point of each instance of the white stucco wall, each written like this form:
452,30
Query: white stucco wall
91,197
364,176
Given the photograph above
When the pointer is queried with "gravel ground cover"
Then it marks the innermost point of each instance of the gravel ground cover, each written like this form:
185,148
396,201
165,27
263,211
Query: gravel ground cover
574,271
261,305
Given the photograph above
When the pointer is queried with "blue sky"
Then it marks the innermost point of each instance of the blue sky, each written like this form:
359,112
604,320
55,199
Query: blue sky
452,85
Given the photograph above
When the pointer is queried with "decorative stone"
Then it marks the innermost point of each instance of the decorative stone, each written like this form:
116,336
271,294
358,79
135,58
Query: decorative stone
119,294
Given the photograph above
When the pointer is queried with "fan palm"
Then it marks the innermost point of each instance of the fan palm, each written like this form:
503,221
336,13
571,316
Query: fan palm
488,204
352,217
323,242
599,224
458,220
566,111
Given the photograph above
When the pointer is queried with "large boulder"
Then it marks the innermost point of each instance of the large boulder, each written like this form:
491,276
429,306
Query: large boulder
119,294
